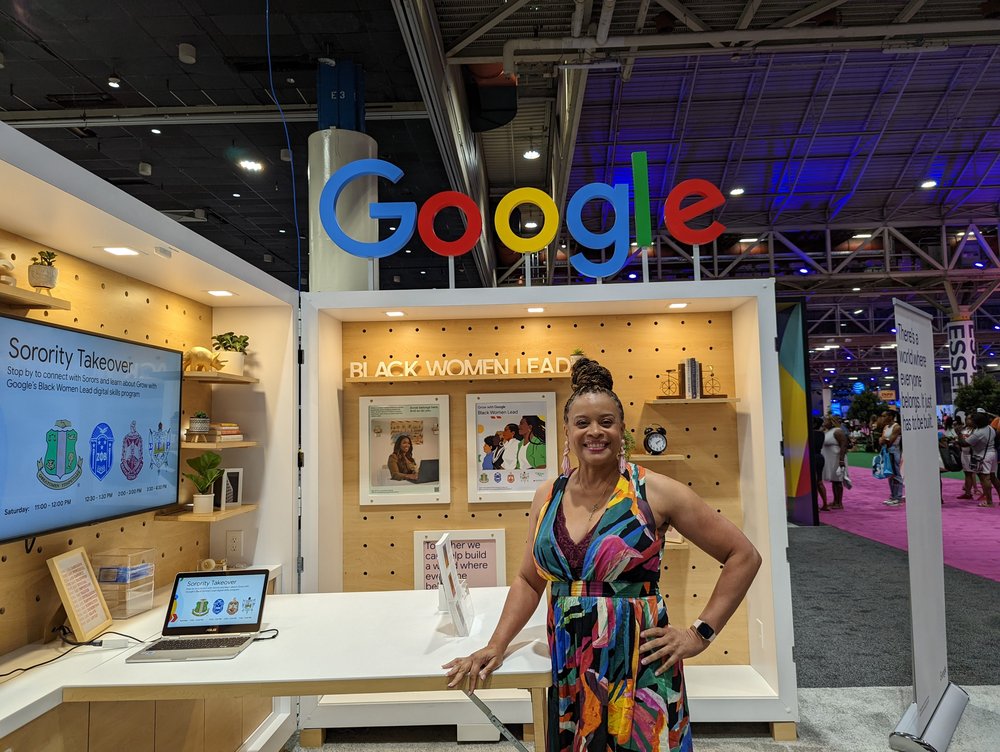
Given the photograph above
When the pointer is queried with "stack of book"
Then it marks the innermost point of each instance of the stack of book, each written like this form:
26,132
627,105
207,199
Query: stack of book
222,432
689,379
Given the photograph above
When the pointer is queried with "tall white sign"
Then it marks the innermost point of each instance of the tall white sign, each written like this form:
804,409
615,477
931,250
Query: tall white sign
918,416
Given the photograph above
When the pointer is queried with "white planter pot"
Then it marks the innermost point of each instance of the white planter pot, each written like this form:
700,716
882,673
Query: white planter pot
204,503
199,425
233,362
42,276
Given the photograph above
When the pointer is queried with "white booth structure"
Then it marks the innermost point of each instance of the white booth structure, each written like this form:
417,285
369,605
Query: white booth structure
725,443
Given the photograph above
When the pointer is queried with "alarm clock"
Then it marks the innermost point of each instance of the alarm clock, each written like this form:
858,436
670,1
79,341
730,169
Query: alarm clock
655,440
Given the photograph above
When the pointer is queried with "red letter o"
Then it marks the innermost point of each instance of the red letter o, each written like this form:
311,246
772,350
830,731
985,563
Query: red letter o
473,223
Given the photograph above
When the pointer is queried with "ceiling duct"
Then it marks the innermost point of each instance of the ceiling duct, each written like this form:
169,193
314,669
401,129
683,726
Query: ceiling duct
490,95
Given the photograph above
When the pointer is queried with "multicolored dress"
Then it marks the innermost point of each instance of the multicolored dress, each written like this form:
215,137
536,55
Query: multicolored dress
602,697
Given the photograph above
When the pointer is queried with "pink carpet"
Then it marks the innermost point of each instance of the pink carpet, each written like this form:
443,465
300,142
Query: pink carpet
971,535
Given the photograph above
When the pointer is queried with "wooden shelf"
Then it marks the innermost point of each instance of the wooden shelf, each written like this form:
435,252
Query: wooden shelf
702,401
14,297
183,514
217,377
658,457
217,444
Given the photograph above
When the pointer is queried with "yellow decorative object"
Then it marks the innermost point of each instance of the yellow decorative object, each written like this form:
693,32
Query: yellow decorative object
202,359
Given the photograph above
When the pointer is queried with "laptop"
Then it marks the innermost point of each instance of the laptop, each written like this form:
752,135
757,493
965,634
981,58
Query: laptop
211,616
427,472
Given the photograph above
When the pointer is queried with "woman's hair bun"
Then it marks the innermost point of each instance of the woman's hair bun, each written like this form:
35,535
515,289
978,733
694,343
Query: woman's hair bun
589,374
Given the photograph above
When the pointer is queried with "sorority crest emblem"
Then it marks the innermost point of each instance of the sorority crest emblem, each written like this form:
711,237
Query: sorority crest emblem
60,467
102,446
159,443
131,462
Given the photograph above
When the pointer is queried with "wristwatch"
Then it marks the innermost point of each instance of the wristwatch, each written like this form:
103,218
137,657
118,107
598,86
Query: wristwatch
704,630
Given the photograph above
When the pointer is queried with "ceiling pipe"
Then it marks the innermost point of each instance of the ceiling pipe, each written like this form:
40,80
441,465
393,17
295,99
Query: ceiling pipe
604,24
577,26
815,36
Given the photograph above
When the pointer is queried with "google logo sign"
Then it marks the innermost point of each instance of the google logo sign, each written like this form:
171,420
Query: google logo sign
686,201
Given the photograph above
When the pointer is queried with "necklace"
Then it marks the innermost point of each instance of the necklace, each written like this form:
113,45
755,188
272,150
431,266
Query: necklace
602,500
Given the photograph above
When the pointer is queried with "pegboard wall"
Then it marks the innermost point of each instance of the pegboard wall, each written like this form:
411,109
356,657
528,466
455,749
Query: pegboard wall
638,350
103,302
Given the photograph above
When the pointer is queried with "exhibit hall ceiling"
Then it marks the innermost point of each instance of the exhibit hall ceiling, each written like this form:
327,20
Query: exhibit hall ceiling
857,143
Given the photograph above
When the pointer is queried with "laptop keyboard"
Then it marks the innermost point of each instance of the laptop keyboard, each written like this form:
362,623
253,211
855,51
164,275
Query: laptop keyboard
198,644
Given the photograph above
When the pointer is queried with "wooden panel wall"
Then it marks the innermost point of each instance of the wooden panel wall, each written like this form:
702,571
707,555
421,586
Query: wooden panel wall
378,541
107,303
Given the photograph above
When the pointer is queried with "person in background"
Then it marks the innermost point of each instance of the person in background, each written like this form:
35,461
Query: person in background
401,464
834,458
969,485
617,659
816,460
892,439
982,454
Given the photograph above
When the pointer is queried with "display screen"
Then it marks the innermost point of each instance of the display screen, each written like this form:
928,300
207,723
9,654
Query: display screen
89,428
217,602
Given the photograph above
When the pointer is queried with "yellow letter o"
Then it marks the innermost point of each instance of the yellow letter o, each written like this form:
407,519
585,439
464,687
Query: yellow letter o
550,221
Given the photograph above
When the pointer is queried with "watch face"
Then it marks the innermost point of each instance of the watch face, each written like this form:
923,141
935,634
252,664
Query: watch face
655,442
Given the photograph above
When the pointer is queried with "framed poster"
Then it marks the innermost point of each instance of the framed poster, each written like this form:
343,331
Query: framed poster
229,488
403,450
510,449
86,609
480,557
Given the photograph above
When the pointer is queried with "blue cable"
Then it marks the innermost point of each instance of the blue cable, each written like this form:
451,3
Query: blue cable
288,143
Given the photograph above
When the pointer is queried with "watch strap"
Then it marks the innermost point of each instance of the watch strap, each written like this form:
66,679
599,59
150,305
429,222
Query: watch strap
704,629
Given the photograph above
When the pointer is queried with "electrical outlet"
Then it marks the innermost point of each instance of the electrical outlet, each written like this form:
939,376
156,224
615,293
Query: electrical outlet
234,543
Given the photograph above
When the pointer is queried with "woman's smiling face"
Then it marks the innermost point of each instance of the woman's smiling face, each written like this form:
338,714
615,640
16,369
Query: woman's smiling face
594,428
405,446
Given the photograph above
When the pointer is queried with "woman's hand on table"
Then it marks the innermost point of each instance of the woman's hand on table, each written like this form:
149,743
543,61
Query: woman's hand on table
669,645
477,666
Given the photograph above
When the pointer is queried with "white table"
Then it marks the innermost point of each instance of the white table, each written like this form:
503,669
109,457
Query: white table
333,643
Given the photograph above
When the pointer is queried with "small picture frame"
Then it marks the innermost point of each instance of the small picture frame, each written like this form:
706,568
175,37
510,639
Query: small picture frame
228,488
86,609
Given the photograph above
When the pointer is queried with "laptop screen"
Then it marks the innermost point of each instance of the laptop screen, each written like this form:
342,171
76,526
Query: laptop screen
216,602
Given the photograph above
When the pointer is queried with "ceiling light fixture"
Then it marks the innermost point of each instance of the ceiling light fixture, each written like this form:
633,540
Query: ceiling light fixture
408,250
862,235
187,53
737,191
928,184
236,195
221,293
678,305
395,314
632,275
855,289
393,227
251,165
155,131
860,310
532,153
536,310
114,81
281,231
122,251
979,265
803,270
530,224
748,240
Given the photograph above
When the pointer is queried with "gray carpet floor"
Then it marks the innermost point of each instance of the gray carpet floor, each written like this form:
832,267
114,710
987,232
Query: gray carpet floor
850,601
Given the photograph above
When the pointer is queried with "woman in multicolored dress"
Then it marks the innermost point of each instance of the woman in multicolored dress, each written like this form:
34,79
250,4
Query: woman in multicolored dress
617,674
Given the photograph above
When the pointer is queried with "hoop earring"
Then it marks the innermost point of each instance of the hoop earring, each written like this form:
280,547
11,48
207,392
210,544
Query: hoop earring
566,467
622,464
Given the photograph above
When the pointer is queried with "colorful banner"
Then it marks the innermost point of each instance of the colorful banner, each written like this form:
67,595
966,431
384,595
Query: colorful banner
800,504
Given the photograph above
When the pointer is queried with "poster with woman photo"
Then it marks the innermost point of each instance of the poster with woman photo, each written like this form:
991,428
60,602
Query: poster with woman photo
512,444
403,450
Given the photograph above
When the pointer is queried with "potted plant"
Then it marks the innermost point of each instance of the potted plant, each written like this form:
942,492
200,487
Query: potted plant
235,347
575,355
206,472
42,271
199,422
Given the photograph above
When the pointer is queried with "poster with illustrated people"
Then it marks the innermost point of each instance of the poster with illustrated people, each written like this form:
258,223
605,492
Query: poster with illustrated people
510,448
403,450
